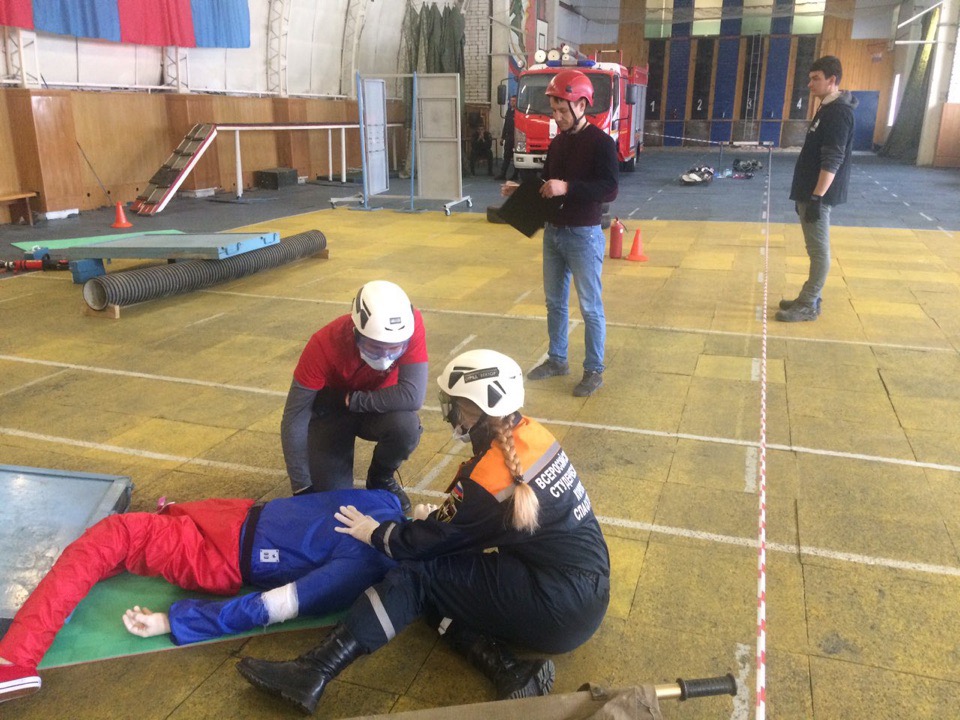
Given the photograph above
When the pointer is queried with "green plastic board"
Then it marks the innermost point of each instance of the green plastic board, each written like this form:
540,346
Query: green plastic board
81,241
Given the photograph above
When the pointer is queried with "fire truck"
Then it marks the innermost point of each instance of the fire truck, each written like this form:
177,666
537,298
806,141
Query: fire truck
619,104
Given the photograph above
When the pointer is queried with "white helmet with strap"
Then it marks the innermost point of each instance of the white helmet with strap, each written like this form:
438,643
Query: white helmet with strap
491,380
382,312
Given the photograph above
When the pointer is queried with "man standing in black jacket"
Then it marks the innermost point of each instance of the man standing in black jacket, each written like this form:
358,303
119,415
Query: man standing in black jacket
820,181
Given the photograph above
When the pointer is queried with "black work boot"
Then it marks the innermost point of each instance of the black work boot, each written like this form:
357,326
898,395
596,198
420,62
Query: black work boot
379,479
513,678
302,681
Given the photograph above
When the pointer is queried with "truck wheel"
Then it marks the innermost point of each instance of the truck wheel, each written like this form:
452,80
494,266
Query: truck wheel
629,165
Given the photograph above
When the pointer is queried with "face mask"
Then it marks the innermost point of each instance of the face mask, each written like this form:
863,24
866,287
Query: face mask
381,363
451,413
460,434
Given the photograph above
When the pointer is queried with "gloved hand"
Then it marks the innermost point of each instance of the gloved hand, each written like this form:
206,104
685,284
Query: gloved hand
420,511
356,524
145,623
811,213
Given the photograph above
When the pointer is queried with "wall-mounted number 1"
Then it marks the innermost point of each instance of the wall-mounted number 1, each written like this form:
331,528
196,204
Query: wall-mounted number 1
653,106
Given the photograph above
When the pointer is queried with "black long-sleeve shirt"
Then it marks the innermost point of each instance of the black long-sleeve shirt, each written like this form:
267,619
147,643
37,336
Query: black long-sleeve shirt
827,146
587,161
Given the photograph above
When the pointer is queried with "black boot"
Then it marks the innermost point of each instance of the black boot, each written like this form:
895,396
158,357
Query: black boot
513,678
380,479
302,681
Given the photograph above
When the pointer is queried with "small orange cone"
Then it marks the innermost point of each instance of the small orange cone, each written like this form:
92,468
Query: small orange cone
636,252
121,221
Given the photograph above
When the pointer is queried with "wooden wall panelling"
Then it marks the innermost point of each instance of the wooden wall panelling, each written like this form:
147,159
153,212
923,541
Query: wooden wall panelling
948,142
630,36
118,133
293,146
9,174
183,112
258,148
45,145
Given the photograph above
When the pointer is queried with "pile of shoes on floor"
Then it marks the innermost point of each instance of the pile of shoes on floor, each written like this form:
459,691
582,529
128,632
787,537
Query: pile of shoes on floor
697,175
744,169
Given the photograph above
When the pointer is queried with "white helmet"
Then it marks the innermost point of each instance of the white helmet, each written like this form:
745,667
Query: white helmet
382,312
490,379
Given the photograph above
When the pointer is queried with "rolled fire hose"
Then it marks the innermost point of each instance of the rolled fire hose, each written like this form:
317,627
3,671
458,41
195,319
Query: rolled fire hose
134,286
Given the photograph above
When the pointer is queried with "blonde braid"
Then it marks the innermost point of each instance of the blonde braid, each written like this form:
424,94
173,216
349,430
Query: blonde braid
526,506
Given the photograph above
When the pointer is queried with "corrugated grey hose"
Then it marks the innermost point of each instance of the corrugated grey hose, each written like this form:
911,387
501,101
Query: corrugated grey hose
133,286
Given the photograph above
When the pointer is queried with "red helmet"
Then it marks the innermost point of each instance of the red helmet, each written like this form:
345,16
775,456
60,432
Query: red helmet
571,85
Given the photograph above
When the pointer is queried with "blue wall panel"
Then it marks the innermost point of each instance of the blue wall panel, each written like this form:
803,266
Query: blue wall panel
725,87
783,17
731,26
675,106
775,88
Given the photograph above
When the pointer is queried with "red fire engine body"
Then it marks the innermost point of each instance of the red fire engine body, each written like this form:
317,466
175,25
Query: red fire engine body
619,102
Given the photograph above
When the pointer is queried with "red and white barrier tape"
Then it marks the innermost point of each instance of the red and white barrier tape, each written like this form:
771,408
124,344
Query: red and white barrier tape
761,708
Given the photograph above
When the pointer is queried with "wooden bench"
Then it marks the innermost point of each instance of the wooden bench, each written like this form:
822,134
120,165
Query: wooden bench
13,198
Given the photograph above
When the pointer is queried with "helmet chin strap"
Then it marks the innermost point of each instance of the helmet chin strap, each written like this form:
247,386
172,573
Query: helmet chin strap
576,120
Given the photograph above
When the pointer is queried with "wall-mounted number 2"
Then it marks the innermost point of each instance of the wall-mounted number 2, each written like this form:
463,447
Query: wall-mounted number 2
700,104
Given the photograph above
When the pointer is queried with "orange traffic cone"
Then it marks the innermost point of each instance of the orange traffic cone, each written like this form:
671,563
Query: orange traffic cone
121,221
636,252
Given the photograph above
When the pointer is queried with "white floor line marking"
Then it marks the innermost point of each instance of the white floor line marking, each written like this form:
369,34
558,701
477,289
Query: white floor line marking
145,376
906,203
763,215
462,344
614,522
434,472
542,359
521,297
755,369
949,234
16,297
633,212
203,320
650,198
147,454
877,182
751,443
659,191
32,382
808,550
760,277
750,471
926,217
758,313
654,217
894,194
741,701
587,426
763,251
884,187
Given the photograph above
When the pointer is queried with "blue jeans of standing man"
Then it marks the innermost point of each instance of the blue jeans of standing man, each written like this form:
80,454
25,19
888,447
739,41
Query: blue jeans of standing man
576,251
816,236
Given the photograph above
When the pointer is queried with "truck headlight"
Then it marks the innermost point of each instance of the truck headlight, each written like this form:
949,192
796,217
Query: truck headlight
521,141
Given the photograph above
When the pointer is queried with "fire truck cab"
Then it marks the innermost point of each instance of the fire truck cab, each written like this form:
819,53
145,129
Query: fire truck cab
619,102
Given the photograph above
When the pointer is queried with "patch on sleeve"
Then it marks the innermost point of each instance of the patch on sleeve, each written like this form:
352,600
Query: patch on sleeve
448,510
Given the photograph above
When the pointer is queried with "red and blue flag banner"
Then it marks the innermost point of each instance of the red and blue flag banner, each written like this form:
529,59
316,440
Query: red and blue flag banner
183,23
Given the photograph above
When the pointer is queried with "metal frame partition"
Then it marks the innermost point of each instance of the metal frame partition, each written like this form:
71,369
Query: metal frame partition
435,122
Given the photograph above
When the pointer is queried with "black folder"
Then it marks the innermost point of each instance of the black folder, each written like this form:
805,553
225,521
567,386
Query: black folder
525,209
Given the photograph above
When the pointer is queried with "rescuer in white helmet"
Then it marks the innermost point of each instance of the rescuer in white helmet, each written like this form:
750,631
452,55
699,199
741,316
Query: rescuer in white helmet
363,375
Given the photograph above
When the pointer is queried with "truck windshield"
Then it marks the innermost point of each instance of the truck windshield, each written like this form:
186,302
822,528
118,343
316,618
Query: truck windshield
531,98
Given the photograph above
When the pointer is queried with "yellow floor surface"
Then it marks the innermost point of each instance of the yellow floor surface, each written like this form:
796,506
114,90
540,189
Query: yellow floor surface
185,395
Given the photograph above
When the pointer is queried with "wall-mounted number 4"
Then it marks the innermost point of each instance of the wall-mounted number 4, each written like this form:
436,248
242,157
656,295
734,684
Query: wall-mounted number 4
800,104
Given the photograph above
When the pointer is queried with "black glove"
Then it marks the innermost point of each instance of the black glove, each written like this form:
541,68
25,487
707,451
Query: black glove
811,212
329,399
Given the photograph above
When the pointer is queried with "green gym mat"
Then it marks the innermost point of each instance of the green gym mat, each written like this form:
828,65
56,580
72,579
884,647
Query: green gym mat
96,632
81,241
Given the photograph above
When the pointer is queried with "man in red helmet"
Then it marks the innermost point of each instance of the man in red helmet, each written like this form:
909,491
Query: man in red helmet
581,172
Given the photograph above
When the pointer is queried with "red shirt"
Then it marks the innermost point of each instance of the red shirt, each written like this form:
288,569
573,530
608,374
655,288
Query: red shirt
331,358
